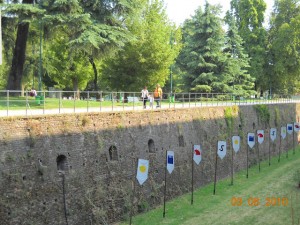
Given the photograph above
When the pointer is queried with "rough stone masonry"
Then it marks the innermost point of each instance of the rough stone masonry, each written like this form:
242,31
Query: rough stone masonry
80,168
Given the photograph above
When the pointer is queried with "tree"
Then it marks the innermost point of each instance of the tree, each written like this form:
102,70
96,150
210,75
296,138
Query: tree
249,15
238,62
26,13
202,58
145,60
284,45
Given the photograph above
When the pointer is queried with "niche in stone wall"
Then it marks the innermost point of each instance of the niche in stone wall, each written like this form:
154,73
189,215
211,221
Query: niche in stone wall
151,146
62,163
113,153
181,141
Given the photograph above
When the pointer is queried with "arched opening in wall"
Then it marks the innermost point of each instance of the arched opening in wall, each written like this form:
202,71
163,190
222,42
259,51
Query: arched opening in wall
151,146
181,141
113,153
62,163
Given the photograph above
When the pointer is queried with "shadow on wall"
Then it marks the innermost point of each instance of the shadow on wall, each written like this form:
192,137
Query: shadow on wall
96,154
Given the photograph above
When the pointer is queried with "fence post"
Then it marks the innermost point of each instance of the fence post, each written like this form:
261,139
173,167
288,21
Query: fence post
59,102
189,100
44,102
112,101
87,102
195,99
133,99
74,105
26,103
7,101
100,101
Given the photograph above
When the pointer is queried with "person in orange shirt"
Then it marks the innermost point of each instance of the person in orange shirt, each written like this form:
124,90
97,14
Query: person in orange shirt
158,95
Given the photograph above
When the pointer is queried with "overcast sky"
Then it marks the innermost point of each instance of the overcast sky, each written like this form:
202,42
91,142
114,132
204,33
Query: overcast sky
179,10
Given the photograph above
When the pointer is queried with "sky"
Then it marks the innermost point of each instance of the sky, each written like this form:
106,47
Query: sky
179,10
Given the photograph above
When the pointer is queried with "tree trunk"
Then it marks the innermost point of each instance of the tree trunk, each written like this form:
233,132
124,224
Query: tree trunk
16,71
75,88
91,59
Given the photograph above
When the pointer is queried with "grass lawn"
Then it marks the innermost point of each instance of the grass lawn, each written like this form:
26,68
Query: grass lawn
279,180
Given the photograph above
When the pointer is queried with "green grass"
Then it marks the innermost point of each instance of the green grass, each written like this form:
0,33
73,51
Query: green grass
278,180
16,103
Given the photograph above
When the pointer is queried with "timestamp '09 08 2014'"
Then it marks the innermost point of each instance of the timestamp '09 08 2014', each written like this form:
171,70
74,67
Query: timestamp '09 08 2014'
255,201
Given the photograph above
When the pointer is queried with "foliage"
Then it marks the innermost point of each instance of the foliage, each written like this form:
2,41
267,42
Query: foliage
263,113
249,15
202,58
144,61
284,46
238,61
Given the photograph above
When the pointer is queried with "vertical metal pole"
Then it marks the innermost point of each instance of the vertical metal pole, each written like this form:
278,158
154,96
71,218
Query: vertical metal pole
279,148
165,189
189,100
7,101
174,99
133,191
232,152
26,102
293,141
59,102
269,151
258,157
133,99
247,161
44,100
40,59
287,146
216,167
74,108
101,101
87,101
192,199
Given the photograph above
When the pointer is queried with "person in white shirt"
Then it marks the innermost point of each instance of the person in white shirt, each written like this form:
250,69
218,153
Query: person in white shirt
145,94
151,100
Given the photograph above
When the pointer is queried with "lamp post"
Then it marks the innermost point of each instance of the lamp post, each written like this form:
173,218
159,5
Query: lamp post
40,70
171,74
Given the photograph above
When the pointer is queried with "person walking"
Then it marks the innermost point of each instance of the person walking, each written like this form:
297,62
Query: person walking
158,95
144,96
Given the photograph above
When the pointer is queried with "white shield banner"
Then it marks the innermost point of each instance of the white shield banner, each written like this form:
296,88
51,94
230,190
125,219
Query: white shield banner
289,128
142,171
236,143
283,132
170,161
273,133
296,127
260,136
251,140
221,149
197,154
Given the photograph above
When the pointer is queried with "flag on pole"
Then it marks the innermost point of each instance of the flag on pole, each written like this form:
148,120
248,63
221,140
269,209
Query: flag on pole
260,136
236,143
221,149
296,127
273,133
289,128
283,132
170,161
142,171
197,154
251,140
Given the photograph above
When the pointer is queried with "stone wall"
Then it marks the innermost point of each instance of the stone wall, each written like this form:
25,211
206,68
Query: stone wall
79,168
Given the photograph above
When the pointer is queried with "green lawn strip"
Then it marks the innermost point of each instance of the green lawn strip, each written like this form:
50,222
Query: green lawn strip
277,180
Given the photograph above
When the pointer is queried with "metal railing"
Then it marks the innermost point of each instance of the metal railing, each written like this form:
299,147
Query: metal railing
13,103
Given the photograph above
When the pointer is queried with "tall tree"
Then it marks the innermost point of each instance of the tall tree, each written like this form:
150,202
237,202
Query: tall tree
26,12
202,58
238,62
284,45
249,15
146,59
